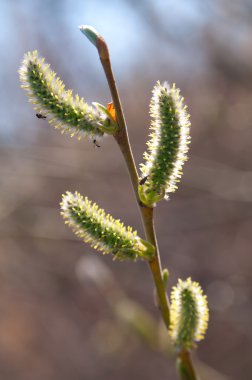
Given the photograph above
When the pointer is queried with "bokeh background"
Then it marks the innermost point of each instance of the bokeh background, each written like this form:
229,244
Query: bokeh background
57,317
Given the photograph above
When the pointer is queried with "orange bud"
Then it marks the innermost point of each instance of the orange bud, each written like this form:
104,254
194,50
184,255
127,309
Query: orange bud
112,111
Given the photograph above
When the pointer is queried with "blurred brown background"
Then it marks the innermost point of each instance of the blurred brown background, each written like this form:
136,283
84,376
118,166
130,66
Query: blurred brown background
53,323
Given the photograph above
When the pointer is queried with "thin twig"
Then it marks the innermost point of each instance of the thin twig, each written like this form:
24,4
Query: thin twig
122,140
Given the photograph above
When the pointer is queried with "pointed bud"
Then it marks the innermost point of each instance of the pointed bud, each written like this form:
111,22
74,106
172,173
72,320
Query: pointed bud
97,40
165,276
168,145
102,231
111,121
189,314
90,33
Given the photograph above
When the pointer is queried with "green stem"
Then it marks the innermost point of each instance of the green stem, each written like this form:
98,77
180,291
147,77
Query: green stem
185,367
122,140
155,264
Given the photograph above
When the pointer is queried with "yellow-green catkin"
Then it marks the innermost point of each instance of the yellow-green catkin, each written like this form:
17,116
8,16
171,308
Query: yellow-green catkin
168,144
189,314
49,97
102,231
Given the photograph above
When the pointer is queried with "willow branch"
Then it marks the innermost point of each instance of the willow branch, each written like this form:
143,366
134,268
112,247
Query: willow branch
122,140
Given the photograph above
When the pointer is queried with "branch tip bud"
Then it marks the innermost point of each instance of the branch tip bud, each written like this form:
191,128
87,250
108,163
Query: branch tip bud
91,33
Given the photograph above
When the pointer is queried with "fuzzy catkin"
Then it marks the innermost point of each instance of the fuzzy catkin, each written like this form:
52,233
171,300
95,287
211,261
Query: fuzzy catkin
168,144
48,95
102,231
189,314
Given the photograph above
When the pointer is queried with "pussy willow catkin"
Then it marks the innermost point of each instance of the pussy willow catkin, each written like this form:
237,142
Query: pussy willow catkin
102,231
168,144
189,314
63,110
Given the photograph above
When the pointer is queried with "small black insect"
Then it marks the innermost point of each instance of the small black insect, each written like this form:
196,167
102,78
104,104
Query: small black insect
143,180
40,116
96,143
